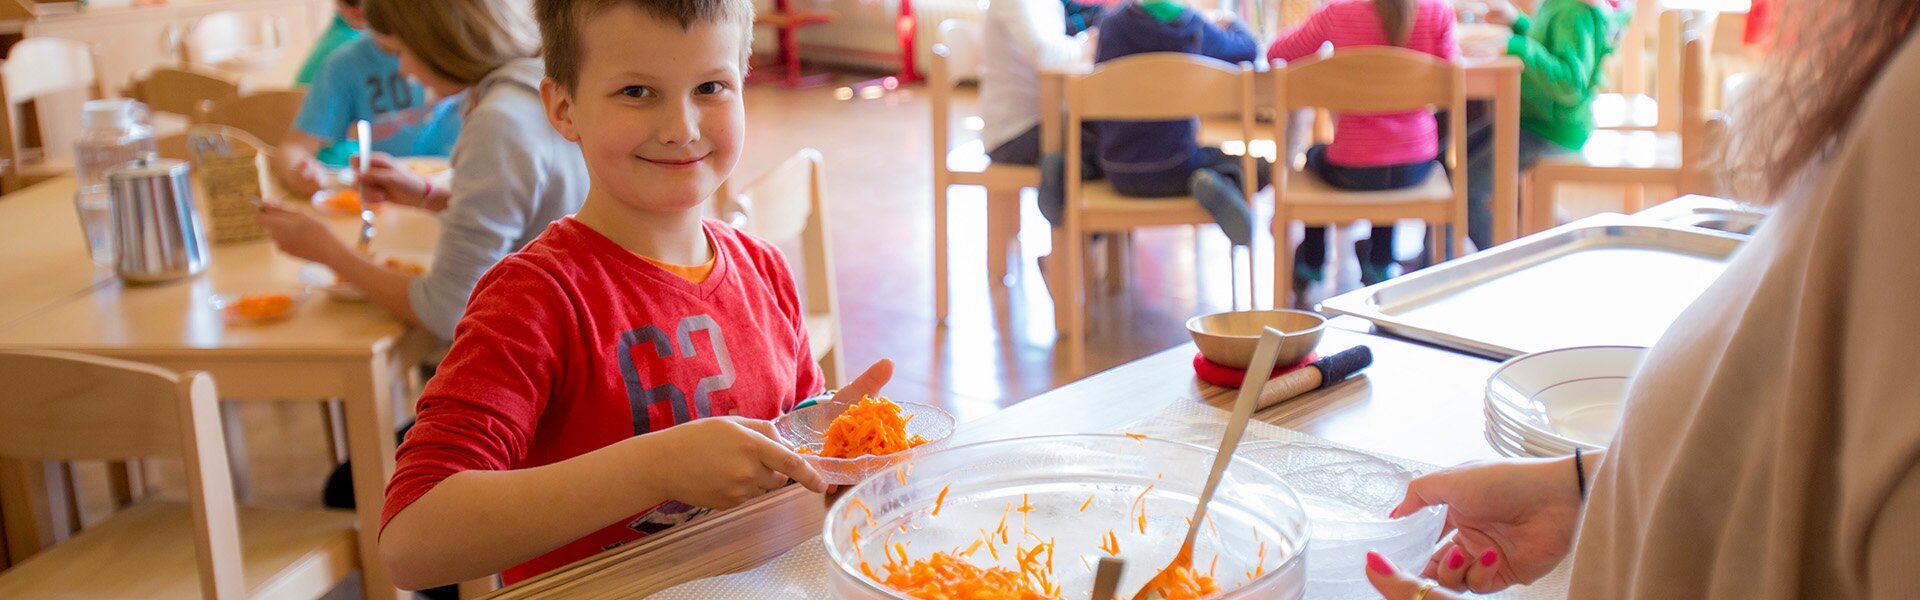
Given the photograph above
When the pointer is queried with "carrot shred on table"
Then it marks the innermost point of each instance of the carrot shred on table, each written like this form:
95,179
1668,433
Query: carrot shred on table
975,547
1111,545
871,426
1143,522
1089,502
1137,437
941,499
1215,563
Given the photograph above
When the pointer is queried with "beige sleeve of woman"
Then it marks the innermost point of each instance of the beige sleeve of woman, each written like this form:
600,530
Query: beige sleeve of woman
1893,553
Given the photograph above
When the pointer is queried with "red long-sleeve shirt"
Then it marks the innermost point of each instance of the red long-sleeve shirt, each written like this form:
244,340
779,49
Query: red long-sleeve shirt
574,343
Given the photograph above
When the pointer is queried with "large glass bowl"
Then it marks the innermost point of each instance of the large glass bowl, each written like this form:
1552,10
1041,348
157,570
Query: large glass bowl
1258,524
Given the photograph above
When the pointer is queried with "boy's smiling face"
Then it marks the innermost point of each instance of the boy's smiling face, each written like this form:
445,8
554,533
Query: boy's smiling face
657,109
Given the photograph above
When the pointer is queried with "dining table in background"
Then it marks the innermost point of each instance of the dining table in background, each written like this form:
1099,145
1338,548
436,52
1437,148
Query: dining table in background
1416,402
356,352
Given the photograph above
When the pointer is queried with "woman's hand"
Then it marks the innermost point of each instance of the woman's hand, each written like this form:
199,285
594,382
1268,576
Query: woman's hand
1394,584
301,235
1512,521
388,181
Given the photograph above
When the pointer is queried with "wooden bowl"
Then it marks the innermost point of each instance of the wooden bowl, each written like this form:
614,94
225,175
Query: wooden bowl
1228,338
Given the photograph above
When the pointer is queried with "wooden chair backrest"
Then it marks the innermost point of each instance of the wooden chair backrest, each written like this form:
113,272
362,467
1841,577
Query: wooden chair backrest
227,35
39,66
181,91
1373,80
1155,86
1700,125
62,406
1158,86
789,203
266,115
43,82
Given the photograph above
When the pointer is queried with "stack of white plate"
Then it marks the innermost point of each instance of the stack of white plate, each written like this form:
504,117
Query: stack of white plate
1549,403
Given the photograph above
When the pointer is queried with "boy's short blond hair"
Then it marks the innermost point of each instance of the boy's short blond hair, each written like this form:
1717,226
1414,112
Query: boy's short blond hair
560,24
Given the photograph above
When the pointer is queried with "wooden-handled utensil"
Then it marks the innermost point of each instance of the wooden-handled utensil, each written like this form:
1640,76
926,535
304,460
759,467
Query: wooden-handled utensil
1106,578
1320,374
1264,356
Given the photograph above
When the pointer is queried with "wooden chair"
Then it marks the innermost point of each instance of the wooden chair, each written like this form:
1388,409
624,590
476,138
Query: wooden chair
233,42
181,91
266,115
44,82
968,164
1636,159
1626,105
69,407
1370,80
1157,86
789,203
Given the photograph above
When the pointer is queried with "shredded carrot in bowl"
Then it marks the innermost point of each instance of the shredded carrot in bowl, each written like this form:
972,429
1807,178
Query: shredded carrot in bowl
873,426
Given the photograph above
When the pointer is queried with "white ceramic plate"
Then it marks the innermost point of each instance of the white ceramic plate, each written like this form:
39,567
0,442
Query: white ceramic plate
1531,445
1571,396
319,276
1518,431
1501,446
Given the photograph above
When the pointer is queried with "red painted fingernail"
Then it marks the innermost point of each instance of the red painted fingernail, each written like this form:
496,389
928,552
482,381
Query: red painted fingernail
1456,558
1486,560
1379,563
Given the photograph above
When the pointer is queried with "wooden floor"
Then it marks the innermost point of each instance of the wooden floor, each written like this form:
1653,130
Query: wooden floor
996,348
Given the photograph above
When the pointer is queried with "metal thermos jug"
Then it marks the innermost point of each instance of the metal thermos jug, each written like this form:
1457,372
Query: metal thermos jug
156,231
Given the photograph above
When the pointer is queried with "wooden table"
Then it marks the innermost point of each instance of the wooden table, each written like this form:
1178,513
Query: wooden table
1416,402
354,352
38,270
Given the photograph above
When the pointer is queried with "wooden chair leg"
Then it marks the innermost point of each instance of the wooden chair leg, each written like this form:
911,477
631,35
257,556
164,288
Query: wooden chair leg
235,430
1003,227
1074,281
333,420
70,492
35,511
1116,267
1437,238
830,366
1537,205
940,253
1636,198
126,482
1056,282
1282,259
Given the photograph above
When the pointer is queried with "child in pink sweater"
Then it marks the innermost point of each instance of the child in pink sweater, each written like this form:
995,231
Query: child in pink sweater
1370,151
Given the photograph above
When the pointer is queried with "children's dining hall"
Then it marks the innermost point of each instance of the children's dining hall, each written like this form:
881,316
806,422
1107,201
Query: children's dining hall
959,299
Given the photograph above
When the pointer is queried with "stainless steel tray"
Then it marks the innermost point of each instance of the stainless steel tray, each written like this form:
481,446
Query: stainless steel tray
1708,212
1605,280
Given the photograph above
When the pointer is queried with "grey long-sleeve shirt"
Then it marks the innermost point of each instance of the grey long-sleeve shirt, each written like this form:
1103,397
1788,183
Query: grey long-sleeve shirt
512,176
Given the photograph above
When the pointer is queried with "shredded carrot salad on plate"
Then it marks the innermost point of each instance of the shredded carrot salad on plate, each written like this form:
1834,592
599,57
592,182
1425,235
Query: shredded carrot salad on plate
260,306
872,426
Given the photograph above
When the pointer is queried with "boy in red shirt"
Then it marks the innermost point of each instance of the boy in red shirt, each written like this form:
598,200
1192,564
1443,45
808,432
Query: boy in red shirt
613,378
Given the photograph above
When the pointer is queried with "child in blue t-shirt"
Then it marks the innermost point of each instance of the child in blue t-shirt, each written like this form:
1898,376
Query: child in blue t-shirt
360,81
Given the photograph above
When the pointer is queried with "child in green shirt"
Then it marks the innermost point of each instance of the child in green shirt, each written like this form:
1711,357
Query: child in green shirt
1562,46
346,26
